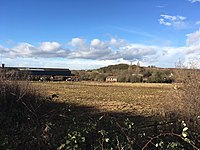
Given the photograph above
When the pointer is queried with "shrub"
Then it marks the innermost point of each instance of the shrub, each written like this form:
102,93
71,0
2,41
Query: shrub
189,96
184,101
20,126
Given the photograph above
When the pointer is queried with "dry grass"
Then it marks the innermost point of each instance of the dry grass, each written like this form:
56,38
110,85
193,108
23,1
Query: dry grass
139,98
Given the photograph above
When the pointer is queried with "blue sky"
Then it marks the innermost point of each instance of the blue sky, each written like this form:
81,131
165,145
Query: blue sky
87,34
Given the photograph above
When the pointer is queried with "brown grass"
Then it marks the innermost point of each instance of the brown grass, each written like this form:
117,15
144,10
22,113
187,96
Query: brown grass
139,98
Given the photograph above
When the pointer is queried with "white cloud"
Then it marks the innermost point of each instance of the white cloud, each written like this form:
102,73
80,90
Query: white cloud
22,50
61,63
176,21
112,49
163,22
113,41
99,53
193,1
193,38
95,42
193,43
193,50
116,43
49,46
95,50
77,42
45,49
134,52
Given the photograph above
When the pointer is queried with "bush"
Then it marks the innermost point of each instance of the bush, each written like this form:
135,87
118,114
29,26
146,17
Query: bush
20,126
184,101
189,96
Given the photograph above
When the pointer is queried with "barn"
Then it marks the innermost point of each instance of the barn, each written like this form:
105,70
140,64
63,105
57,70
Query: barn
42,73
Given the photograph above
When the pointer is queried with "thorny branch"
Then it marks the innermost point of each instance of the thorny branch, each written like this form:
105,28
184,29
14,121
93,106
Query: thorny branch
168,134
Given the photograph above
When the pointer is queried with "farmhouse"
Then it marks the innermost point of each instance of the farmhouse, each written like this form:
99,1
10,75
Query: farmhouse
41,73
111,79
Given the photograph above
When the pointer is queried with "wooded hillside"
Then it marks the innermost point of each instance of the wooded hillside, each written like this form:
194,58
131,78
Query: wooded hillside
129,73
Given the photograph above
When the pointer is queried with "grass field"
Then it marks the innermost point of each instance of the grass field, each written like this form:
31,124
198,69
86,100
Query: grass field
138,98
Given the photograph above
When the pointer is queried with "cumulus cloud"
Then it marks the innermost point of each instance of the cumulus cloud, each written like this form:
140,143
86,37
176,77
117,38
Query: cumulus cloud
134,52
77,42
22,50
45,49
193,42
91,53
168,55
50,46
193,1
96,49
176,21
95,42
193,38
111,50
117,42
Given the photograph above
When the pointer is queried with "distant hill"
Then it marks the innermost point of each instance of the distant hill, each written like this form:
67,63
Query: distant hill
132,73
121,67
128,73
113,67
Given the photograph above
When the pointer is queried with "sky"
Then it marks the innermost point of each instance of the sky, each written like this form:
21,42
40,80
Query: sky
88,34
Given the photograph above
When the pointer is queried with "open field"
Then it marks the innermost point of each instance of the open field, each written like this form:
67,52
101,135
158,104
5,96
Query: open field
88,115
138,98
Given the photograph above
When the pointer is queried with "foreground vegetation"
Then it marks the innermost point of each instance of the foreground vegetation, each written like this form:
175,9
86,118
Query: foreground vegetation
93,115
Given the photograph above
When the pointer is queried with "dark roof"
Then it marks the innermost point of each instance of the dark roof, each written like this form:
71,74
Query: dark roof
42,71
51,73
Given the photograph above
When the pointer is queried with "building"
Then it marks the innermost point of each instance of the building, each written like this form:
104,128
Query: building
40,73
111,79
